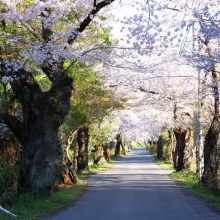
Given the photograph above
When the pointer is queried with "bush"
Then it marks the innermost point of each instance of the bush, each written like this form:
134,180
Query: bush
166,152
152,147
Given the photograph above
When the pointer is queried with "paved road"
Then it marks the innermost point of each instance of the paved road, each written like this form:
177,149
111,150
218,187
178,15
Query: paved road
136,189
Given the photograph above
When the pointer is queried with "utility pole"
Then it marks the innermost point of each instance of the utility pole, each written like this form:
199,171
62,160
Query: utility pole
200,140
199,115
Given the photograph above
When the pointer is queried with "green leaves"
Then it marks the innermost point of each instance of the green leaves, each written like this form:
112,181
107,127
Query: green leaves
90,103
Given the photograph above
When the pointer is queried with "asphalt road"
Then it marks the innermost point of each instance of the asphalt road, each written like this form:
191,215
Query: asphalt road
136,189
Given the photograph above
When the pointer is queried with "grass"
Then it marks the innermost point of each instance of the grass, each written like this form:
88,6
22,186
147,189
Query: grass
29,206
93,169
163,163
118,156
189,179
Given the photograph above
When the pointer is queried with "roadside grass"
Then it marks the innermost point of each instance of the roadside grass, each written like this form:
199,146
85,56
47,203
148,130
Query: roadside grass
29,206
188,178
93,169
164,164
135,144
118,156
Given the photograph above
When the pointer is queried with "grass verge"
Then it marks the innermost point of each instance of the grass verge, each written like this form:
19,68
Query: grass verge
163,164
29,206
189,179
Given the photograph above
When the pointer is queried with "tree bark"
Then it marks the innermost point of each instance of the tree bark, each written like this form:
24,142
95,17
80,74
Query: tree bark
40,159
180,147
118,145
99,158
160,148
83,141
107,151
211,151
67,164
172,147
43,113
211,154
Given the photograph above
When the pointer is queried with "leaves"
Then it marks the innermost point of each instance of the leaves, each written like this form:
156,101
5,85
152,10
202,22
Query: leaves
90,103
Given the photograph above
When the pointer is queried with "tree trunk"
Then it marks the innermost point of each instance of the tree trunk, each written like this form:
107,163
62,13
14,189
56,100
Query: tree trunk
69,176
117,148
159,148
67,173
43,113
211,154
99,158
118,145
180,147
40,159
189,156
107,151
172,147
83,141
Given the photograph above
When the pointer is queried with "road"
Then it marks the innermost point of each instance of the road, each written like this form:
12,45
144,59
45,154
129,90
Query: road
136,189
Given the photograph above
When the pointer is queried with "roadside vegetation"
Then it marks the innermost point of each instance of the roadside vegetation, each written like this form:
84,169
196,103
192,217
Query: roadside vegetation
30,206
189,179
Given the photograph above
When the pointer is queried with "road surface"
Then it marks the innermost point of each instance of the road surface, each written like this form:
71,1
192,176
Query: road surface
136,189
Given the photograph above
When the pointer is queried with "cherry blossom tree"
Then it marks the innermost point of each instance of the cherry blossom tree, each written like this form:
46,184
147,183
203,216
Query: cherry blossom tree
165,96
190,29
36,38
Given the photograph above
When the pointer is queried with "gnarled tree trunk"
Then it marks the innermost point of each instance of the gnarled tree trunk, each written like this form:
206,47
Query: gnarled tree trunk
211,154
107,151
40,158
160,148
43,113
118,145
99,158
68,175
211,151
180,147
172,147
83,141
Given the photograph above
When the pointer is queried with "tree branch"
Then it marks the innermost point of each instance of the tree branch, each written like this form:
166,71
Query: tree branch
175,9
85,23
15,125
148,91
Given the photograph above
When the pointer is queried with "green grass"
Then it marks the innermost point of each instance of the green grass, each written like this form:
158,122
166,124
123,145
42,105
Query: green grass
29,206
189,179
118,156
163,163
96,169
